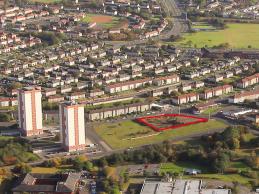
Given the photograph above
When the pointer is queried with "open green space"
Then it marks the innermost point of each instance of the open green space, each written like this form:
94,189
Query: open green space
231,80
224,177
44,170
202,25
131,134
52,170
181,166
211,110
236,35
104,21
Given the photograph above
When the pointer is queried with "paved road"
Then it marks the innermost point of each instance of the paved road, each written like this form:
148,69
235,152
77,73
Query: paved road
179,25
177,15
90,134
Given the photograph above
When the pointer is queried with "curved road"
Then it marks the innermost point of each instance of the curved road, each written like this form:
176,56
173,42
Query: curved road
179,25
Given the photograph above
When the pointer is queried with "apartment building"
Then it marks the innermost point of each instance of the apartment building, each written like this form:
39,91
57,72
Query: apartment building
72,126
30,111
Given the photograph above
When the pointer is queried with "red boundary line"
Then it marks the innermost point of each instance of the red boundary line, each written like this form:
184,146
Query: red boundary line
144,121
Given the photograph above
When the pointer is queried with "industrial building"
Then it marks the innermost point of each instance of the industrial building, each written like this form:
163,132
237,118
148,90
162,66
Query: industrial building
179,186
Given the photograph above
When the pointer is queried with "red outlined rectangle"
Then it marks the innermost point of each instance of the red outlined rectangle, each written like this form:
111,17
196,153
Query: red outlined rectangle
144,120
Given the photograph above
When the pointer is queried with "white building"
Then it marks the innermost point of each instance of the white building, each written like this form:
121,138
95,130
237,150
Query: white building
179,186
72,126
30,111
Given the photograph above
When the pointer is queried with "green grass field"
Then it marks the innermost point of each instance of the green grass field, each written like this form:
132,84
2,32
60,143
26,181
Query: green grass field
211,110
122,134
179,168
237,35
44,170
102,20
202,25
225,177
51,170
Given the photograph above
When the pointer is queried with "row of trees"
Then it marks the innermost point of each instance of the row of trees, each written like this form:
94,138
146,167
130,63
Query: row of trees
215,152
14,151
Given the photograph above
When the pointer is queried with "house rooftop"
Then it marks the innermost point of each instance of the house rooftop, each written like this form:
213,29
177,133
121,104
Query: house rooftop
30,88
55,183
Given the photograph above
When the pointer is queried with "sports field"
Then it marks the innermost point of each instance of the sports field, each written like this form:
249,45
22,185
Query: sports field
128,133
237,35
104,21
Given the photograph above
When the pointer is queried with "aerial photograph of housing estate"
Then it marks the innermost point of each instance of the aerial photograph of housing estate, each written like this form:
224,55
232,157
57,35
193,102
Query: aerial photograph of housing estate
129,96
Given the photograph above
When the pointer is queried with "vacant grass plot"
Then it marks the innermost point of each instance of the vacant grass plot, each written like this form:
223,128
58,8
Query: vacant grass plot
225,177
44,170
104,21
237,35
202,26
181,166
52,170
211,110
131,134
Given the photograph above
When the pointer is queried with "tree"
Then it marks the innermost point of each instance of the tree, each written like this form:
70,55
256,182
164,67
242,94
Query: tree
253,160
235,189
103,162
56,162
257,67
15,85
221,162
22,168
115,190
126,177
5,117
232,136
257,162
88,165
80,162
235,143
6,4
109,171
49,37
201,2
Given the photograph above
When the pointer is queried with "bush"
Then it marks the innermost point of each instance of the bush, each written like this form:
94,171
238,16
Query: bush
250,174
22,168
231,171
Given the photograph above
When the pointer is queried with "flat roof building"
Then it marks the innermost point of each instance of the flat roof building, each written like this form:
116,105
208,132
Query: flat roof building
179,187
